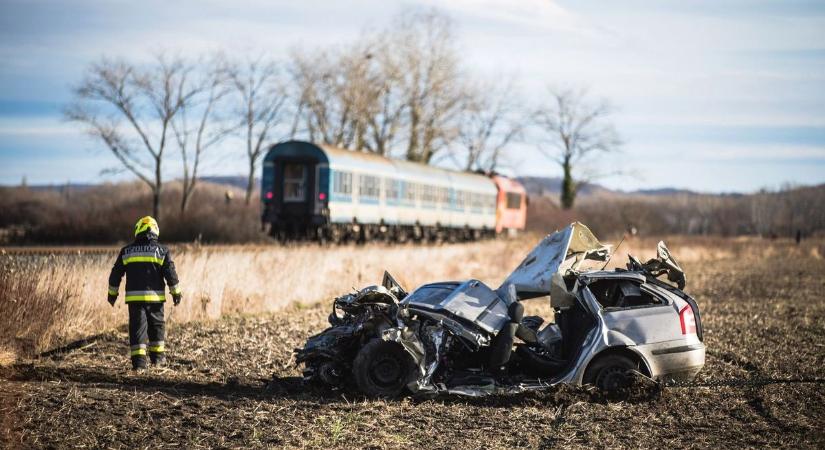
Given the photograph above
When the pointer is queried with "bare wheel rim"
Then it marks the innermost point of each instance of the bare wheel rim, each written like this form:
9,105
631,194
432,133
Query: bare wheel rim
385,371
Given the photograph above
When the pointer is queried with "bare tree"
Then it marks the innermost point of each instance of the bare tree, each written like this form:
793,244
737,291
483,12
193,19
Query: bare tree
488,125
400,86
260,99
576,128
147,99
386,115
197,127
432,81
335,95
348,98
313,76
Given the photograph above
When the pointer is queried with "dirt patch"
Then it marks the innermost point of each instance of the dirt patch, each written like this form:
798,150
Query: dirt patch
231,383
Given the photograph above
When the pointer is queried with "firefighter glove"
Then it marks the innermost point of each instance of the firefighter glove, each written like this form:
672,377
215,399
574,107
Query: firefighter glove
112,299
176,298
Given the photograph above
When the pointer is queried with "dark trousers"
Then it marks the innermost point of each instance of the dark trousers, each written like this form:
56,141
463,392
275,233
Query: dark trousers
147,330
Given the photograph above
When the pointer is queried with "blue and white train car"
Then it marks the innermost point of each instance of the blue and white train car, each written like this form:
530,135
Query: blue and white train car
312,191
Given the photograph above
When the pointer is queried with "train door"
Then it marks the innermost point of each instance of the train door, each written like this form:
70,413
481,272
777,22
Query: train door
297,194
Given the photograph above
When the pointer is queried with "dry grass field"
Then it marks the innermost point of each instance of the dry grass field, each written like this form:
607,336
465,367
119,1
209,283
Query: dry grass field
231,382
53,296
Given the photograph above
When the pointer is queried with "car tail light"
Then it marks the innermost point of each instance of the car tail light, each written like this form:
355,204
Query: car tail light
269,195
687,320
322,196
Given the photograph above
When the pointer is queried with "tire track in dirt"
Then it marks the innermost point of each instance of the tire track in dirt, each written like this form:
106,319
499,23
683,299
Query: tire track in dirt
754,395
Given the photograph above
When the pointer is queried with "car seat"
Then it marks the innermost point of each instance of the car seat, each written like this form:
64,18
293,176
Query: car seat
502,345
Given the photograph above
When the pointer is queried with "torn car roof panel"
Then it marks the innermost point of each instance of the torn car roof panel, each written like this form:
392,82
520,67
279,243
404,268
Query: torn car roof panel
557,252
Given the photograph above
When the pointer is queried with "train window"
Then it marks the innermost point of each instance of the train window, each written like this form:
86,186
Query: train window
294,182
410,190
342,183
513,200
459,200
473,200
392,188
369,187
443,196
427,194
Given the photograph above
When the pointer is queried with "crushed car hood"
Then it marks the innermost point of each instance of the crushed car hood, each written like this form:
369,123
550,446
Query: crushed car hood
565,249
470,302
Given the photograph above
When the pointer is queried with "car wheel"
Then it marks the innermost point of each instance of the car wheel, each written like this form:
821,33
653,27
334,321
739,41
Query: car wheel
610,373
382,368
330,374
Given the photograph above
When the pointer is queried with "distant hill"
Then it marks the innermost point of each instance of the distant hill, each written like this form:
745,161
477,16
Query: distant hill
551,186
662,191
536,186
76,187
237,181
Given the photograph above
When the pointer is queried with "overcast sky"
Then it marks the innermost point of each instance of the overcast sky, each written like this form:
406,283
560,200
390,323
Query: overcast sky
712,95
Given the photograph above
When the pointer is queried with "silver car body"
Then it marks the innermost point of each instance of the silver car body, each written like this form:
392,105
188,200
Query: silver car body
669,349
664,337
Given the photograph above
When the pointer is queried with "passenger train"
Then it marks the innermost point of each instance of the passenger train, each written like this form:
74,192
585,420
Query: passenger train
320,192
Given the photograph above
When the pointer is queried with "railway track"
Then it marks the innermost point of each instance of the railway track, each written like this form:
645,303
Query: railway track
45,251
178,248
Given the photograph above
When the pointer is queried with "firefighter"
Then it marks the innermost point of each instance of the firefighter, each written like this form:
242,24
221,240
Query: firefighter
146,264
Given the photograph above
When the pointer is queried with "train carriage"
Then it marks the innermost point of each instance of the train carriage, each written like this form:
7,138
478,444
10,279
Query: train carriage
312,191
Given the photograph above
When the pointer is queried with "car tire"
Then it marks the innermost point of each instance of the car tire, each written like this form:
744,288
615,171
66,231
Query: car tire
609,373
382,369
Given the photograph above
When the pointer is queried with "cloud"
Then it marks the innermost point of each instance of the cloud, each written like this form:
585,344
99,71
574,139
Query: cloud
38,126
544,14
719,81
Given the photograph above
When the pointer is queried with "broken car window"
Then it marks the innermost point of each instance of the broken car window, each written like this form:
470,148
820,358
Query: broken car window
622,294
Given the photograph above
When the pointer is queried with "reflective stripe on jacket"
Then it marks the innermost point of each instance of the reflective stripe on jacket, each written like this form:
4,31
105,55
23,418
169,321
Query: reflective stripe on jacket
148,267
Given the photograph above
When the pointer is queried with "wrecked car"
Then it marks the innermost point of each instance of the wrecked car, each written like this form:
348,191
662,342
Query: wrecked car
464,337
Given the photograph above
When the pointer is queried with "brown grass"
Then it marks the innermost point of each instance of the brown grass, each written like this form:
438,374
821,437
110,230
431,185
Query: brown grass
232,383
105,214
53,298
49,299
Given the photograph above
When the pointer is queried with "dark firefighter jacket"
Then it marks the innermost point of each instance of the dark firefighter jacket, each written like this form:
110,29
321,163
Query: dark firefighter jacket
146,264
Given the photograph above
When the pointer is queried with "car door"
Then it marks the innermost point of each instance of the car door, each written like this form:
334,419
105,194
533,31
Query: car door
646,323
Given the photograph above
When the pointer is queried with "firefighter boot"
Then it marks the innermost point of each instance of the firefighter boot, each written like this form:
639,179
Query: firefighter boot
138,363
157,353
138,354
158,359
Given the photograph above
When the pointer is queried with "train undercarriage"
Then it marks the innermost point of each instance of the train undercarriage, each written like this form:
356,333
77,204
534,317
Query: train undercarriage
354,232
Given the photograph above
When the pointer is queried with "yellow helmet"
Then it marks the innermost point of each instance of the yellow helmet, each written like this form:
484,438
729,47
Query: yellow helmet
147,223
